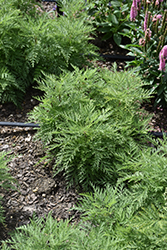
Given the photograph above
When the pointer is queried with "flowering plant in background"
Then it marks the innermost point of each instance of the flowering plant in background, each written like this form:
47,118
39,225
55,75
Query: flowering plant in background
149,45
134,10
110,18
162,58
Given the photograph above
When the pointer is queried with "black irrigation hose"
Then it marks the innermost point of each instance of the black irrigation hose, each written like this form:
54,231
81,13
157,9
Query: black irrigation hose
22,124
19,124
158,134
118,57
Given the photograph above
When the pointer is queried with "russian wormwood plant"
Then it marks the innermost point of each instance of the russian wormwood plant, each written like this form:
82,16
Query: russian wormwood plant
34,41
134,215
112,218
90,123
42,234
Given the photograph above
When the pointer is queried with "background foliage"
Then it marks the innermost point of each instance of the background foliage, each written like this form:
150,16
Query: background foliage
32,40
110,18
148,36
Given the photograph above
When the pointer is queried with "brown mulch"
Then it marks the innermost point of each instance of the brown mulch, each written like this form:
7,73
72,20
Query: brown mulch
38,191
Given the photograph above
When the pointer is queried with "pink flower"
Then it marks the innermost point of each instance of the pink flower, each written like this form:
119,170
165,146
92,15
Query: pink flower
156,17
145,21
158,2
133,10
148,33
142,42
159,16
162,64
162,58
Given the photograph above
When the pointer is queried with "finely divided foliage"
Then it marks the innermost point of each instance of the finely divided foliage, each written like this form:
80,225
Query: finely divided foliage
39,41
93,128
90,123
100,112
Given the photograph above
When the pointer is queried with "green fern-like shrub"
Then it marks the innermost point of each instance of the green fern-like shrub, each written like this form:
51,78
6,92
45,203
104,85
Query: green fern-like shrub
110,220
147,176
113,213
42,234
113,217
6,180
135,218
34,41
91,123
50,234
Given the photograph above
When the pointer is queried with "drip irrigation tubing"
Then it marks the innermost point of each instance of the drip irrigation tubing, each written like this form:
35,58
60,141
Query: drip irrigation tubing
22,124
19,124
118,57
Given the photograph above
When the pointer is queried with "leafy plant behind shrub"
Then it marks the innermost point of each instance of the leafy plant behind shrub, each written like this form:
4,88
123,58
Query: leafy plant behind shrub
32,42
90,122
109,18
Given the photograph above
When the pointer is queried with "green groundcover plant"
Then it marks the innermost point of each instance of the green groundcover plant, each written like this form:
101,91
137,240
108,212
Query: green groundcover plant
120,217
134,214
33,40
6,180
91,122
149,38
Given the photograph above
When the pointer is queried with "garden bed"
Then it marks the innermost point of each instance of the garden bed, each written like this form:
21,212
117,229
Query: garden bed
31,197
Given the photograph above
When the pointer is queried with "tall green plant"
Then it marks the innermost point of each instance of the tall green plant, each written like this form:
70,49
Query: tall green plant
91,123
32,42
